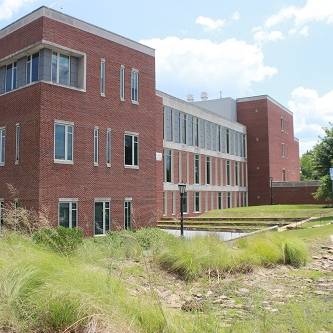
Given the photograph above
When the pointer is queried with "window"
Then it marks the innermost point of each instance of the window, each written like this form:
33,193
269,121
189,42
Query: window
32,68
2,145
168,128
131,150
60,69
17,144
282,123
236,174
184,203
283,150
228,173
122,82
174,195
11,72
102,217
219,200
102,77
284,175
208,170
128,213
68,214
229,200
96,145
183,127
197,169
196,132
108,147
2,206
165,203
196,202
63,142
168,165
135,86
227,141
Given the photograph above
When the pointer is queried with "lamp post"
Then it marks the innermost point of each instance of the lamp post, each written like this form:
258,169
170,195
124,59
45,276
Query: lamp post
182,190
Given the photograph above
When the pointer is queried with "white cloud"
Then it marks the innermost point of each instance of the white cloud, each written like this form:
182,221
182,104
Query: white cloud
9,7
260,35
312,11
235,16
201,64
312,112
210,24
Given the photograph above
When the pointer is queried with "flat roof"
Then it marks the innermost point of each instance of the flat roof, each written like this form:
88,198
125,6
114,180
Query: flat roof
260,97
76,23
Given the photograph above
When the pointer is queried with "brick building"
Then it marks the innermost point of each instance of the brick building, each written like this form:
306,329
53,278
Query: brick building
85,136
80,123
273,151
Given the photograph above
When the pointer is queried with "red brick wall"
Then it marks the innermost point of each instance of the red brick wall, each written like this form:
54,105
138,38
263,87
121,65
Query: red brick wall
253,114
295,195
87,109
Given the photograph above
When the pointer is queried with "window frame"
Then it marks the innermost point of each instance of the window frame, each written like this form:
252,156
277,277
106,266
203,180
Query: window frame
96,145
102,77
2,146
208,169
135,86
57,79
166,151
133,135
2,209
69,201
17,143
194,166
195,210
104,201
67,125
126,201
108,145
122,83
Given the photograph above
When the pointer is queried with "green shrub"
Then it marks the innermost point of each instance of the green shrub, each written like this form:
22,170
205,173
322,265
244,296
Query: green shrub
60,239
152,238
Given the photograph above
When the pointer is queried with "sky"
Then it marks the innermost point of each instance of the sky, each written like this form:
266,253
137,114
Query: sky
231,48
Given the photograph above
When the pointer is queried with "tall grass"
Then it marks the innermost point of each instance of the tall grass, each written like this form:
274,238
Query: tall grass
192,258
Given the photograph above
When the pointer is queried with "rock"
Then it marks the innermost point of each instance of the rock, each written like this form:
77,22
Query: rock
192,306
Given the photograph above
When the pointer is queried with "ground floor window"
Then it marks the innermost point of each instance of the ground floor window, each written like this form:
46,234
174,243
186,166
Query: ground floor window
174,198
128,213
2,205
102,217
219,200
165,203
185,205
196,201
68,214
229,200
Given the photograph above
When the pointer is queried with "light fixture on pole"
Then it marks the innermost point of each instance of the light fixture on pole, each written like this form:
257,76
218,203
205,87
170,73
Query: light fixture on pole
182,190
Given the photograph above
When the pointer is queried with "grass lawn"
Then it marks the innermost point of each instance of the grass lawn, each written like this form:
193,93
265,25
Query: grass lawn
278,211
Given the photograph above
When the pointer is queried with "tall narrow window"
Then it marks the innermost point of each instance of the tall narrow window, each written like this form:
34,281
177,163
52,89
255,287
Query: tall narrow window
63,142
102,217
168,165
283,150
131,150
228,173
32,70
2,206
284,175
219,200
185,203
228,141
17,143
122,82
11,72
68,214
229,200
135,86
208,170
183,127
2,145
60,68
197,169
236,174
196,202
108,147
102,77
128,214
96,145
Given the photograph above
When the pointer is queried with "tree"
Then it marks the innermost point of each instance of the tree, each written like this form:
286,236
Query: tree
322,162
307,171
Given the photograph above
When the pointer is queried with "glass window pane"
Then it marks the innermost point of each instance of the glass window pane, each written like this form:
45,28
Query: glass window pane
54,70
69,144
107,217
64,69
2,145
99,218
9,78
74,215
136,153
128,149
64,214
35,64
59,142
